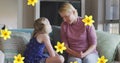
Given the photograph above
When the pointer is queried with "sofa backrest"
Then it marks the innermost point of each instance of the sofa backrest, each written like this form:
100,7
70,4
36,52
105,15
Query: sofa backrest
16,44
55,35
107,43
28,30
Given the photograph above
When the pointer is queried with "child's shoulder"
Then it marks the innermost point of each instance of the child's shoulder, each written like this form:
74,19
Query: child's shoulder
43,36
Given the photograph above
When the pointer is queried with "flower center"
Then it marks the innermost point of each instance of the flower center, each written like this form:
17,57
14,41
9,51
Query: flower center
5,34
88,20
32,0
18,59
60,47
101,61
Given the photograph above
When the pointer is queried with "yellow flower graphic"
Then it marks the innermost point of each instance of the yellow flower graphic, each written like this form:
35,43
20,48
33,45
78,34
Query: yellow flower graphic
5,34
88,20
60,47
102,60
74,62
18,59
32,2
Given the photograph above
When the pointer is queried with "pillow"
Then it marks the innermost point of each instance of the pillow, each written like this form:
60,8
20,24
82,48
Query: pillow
107,45
14,45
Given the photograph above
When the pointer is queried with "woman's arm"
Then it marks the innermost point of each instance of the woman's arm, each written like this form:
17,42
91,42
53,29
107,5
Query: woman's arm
92,40
90,49
64,39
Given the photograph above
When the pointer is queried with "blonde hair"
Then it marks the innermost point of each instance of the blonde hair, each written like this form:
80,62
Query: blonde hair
39,26
66,7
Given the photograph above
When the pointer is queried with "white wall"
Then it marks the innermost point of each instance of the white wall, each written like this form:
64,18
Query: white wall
16,14
28,15
100,15
96,8
8,13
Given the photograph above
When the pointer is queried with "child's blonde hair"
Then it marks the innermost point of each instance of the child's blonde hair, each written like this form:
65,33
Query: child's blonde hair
39,26
66,7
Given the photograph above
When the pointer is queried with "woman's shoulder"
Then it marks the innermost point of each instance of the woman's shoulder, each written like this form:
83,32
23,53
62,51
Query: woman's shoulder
80,18
79,21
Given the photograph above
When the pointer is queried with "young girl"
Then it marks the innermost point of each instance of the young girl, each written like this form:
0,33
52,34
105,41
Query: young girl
40,40
80,40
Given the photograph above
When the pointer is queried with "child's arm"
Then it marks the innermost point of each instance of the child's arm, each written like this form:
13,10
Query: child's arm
48,45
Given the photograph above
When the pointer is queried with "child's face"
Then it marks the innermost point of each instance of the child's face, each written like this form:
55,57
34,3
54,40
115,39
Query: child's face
48,27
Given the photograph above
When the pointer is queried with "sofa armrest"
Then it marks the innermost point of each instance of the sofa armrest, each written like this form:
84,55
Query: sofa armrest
117,56
118,53
2,57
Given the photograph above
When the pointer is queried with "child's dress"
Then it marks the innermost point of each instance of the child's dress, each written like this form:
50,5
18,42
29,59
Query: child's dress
34,52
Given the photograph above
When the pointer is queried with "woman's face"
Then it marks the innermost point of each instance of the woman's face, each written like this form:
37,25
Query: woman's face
68,17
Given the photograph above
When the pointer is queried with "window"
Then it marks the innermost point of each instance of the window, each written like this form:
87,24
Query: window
112,16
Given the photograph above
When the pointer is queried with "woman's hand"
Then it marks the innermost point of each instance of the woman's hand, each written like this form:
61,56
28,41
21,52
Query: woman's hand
82,55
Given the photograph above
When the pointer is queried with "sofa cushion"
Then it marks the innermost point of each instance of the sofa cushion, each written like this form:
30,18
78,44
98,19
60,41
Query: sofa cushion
107,44
14,45
118,53
55,35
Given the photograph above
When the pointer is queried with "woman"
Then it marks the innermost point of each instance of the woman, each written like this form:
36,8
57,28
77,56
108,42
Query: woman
80,40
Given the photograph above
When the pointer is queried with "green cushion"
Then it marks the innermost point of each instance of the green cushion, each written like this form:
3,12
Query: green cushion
107,44
16,44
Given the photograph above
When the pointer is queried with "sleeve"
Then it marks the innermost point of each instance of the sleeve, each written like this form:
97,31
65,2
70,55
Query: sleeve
91,35
63,34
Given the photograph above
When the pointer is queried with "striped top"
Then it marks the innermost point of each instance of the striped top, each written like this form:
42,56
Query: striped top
78,36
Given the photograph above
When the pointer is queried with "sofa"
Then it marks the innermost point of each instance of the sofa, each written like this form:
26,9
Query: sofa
107,44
